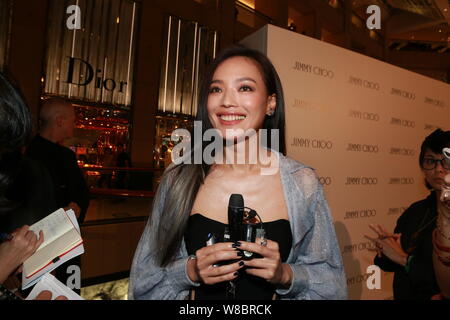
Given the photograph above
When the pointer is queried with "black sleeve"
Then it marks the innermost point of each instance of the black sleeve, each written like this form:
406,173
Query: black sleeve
77,188
384,262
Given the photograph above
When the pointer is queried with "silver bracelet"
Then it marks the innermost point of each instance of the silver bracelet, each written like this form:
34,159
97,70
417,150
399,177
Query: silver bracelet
192,257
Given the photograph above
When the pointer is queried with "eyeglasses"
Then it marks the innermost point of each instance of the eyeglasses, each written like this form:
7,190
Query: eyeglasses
431,163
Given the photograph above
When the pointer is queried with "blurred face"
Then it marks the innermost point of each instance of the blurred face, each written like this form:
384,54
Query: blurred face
436,176
238,97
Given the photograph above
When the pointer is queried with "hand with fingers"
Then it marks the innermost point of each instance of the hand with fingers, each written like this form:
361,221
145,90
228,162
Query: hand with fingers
388,244
47,295
269,266
15,251
206,267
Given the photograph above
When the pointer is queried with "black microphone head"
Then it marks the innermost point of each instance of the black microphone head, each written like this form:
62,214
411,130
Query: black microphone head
235,216
236,201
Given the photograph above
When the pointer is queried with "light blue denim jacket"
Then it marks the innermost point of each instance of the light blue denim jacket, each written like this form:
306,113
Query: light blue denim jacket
314,258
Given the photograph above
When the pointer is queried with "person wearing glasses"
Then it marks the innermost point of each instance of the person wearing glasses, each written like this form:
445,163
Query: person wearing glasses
408,251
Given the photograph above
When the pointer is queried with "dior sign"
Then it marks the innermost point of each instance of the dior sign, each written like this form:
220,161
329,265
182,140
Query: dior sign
100,82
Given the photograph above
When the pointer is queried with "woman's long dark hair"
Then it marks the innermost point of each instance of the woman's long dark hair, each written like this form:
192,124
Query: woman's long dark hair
185,179
15,131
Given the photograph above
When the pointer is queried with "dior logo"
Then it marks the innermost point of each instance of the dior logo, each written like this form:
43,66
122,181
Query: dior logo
364,115
365,181
316,70
362,148
315,143
403,123
434,102
402,151
366,213
403,94
352,248
401,180
364,83
325,181
395,211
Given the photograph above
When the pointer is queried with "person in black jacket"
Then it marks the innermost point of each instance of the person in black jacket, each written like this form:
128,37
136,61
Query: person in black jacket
57,118
408,251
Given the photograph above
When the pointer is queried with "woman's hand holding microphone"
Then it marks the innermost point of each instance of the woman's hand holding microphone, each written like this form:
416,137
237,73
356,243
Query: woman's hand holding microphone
206,268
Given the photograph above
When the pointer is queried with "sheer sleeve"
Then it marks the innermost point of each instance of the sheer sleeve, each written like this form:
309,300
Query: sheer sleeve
317,265
148,280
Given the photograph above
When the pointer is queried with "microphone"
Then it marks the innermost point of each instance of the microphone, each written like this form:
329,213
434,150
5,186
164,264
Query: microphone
235,216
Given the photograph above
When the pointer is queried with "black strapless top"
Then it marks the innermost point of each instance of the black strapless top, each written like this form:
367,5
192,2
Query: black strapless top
248,287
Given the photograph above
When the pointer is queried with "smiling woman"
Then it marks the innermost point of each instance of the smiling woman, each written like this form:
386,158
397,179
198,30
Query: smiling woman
299,256
237,101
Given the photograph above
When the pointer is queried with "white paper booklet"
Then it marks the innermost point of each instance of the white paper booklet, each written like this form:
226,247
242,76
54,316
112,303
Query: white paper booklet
57,288
62,242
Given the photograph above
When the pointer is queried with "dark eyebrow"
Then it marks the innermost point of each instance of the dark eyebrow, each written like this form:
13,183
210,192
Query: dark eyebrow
246,79
239,80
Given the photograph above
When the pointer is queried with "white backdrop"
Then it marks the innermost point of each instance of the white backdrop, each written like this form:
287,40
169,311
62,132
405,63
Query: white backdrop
360,123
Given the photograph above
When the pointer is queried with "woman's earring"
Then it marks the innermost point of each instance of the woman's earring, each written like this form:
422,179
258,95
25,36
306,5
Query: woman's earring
271,112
